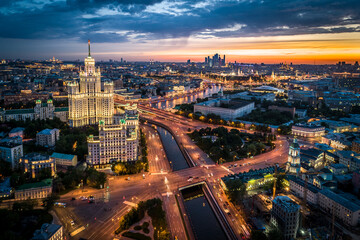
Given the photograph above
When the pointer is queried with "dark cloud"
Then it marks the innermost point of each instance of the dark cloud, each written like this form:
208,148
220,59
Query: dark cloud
124,20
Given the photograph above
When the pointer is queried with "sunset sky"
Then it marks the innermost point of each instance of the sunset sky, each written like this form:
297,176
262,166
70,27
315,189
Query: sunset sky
269,31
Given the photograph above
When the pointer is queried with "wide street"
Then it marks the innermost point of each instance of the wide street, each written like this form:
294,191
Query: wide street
99,220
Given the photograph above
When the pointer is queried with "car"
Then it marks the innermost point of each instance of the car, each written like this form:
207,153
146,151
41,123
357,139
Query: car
72,199
91,199
72,223
235,165
229,214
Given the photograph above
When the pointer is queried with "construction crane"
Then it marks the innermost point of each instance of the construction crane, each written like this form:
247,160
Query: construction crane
276,175
306,185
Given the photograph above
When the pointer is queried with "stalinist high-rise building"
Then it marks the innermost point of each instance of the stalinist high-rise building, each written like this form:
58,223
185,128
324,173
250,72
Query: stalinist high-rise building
90,100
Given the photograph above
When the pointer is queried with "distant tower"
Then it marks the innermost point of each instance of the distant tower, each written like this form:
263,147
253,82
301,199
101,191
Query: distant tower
293,164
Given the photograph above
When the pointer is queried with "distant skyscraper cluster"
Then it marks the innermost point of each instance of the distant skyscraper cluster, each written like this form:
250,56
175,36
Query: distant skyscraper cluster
215,61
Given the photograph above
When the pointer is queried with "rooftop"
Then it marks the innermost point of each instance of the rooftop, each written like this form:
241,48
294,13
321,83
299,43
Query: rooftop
43,183
17,129
18,111
61,109
301,182
63,156
338,166
47,230
286,203
46,131
225,103
340,200
34,156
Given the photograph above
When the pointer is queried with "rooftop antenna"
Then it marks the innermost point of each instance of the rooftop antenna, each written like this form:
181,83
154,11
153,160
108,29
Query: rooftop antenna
89,47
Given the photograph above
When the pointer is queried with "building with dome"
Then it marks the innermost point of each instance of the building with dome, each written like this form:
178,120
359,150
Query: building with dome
90,100
293,164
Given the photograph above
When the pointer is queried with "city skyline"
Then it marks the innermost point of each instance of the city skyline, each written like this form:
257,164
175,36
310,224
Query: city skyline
320,32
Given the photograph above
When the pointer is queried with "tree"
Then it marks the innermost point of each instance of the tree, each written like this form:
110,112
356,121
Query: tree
5,168
95,178
258,235
274,233
26,205
235,190
49,202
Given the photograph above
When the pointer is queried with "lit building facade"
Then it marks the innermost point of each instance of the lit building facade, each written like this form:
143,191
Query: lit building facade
285,214
118,141
36,190
89,101
11,152
293,164
48,137
308,130
33,163
346,209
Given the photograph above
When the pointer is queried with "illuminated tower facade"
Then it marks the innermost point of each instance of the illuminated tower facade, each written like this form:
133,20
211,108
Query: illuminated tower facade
90,101
293,164
116,142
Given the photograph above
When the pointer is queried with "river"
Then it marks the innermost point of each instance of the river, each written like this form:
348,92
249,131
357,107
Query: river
172,150
203,220
167,104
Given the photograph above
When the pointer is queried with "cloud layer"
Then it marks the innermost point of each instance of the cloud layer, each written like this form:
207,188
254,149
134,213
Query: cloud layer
143,21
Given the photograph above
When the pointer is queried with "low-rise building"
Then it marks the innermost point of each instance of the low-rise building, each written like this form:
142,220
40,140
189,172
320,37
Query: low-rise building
47,137
33,163
356,180
41,111
285,214
62,159
250,96
339,127
11,152
5,188
252,179
308,130
312,157
298,186
345,209
49,232
350,159
336,140
338,168
226,108
17,132
62,113
36,190
355,146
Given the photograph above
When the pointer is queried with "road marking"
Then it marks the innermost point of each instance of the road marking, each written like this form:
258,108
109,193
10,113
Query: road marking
77,231
166,194
131,204
227,169
160,173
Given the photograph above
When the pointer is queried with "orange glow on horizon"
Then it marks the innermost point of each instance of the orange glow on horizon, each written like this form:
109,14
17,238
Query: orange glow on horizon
307,49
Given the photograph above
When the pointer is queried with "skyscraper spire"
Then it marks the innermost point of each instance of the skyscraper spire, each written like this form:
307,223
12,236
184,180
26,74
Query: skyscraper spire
89,47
